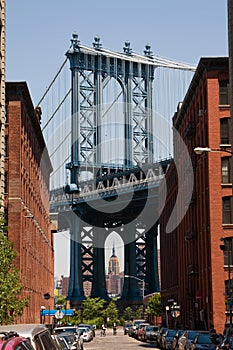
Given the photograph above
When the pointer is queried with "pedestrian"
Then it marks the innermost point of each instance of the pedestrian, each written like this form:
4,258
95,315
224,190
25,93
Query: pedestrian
114,327
103,330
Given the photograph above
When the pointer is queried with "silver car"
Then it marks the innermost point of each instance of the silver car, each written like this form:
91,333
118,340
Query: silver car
73,330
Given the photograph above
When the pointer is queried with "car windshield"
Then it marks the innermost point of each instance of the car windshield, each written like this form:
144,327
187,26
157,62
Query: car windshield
83,330
69,339
204,339
150,328
65,329
171,333
192,335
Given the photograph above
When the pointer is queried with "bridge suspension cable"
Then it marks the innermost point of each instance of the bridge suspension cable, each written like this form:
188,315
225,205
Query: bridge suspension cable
170,85
52,82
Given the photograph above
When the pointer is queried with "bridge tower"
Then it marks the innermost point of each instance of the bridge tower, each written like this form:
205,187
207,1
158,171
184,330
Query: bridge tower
112,159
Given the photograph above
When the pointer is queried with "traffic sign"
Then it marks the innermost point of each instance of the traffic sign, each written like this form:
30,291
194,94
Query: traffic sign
59,315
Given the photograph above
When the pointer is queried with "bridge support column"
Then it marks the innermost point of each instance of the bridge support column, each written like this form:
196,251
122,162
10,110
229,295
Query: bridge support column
152,274
75,291
99,282
131,290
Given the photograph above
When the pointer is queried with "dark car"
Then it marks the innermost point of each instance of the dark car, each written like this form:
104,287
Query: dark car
12,341
70,339
224,343
203,341
184,343
161,332
74,330
150,333
61,342
127,327
167,338
176,338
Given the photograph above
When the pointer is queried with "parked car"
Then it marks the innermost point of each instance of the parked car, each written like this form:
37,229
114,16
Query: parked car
70,339
161,332
60,342
187,337
86,334
139,330
224,342
176,338
127,327
167,338
91,326
133,329
38,334
66,329
150,333
12,341
71,330
203,341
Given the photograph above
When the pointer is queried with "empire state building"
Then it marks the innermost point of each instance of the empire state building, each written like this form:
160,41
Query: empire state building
114,277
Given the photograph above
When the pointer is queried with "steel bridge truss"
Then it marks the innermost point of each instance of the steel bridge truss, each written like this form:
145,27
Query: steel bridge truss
126,112
94,72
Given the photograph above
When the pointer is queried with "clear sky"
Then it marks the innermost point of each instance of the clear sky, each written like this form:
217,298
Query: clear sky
38,34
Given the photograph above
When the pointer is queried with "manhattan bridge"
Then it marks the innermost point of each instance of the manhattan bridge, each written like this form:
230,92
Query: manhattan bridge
106,119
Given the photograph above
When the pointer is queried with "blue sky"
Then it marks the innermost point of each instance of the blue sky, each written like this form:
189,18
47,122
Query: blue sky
38,34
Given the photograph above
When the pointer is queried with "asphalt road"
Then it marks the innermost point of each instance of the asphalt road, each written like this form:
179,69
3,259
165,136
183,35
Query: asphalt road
116,342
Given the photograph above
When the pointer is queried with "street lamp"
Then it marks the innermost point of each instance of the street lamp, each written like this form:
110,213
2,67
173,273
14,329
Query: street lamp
141,280
200,150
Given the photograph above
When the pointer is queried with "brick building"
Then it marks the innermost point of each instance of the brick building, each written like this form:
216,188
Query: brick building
194,271
27,171
2,94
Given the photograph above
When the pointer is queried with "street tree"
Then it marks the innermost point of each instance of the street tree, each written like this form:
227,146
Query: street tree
111,312
93,310
129,313
11,301
154,306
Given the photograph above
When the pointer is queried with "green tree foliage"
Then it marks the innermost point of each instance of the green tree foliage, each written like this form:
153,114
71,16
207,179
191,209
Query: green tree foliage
11,303
93,310
129,313
111,312
60,301
154,307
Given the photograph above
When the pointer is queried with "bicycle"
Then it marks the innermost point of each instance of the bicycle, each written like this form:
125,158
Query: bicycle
103,332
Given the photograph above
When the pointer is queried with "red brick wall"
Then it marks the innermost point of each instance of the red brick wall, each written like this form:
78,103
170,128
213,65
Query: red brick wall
199,264
27,201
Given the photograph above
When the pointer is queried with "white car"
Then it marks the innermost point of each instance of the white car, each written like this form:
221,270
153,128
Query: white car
86,333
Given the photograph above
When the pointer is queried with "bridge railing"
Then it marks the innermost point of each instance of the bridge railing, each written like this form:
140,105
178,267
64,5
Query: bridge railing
104,188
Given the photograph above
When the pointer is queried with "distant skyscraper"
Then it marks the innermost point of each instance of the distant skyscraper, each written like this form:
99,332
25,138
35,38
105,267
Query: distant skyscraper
113,278
114,265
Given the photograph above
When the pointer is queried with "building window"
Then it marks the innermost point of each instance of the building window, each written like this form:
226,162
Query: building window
224,131
226,170
228,245
223,92
226,210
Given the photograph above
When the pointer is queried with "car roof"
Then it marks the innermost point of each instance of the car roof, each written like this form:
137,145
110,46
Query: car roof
13,341
83,327
26,330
